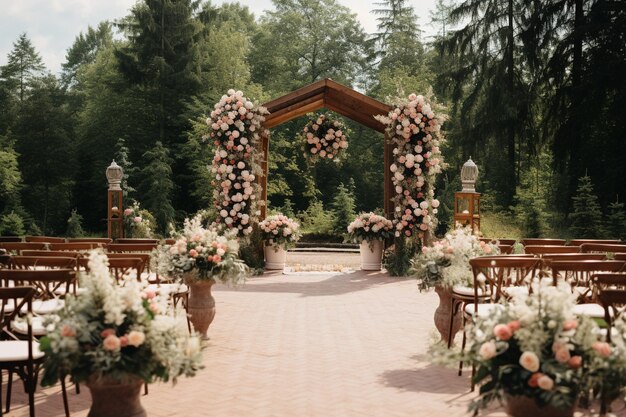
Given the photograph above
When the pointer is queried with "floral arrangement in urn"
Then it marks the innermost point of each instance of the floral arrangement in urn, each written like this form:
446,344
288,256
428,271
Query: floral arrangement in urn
533,352
115,333
236,127
446,262
324,138
280,231
137,222
369,227
415,131
201,254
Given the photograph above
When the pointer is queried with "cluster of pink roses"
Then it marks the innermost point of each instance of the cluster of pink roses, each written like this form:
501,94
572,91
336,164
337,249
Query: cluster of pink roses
415,130
110,341
368,227
324,138
203,253
236,127
129,215
280,229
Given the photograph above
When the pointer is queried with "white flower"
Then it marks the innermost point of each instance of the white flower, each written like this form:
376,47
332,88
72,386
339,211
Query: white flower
529,361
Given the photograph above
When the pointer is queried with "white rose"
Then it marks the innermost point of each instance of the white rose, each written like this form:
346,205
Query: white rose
136,338
529,361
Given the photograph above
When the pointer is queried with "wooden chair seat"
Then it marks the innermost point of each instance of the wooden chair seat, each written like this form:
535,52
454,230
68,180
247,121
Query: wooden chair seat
44,239
602,248
18,247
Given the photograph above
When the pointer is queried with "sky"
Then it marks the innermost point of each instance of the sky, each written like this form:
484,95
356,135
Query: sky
52,25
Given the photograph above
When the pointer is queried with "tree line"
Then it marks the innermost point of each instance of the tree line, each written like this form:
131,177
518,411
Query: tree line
534,91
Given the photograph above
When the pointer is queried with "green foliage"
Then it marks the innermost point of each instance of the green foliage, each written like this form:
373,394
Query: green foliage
343,208
586,218
251,252
75,225
10,175
24,66
157,186
122,158
84,51
11,224
616,221
397,258
316,219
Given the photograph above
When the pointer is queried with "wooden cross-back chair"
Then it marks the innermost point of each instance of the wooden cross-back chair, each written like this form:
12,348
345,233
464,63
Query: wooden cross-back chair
602,248
43,262
20,356
542,242
548,257
18,247
578,242
540,250
46,282
122,267
614,303
578,274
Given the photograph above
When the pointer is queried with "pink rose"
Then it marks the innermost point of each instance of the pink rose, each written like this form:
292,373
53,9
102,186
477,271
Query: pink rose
137,219
149,294
575,362
602,348
545,383
562,355
529,361
123,341
193,253
570,324
217,259
128,212
111,342
502,332
487,350
533,381
67,331
107,332
514,325
136,338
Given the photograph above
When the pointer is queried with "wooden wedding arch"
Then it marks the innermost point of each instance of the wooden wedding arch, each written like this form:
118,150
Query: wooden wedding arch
338,98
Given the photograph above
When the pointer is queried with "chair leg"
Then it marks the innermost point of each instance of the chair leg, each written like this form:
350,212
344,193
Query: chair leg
145,388
451,323
66,406
462,347
77,388
9,389
472,385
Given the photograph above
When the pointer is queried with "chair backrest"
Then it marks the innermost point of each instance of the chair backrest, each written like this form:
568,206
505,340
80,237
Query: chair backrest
20,297
44,239
45,262
578,242
52,253
574,257
499,241
103,240
543,249
45,281
537,241
5,260
131,247
619,256
602,247
76,246
505,249
120,267
493,273
614,303
13,239
579,273
20,246
169,241
136,240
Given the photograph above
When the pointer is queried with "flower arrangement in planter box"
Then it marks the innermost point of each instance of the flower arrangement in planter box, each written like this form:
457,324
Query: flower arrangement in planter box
369,227
137,222
201,254
446,262
115,333
280,231
324,138
415,131
533,352
236,128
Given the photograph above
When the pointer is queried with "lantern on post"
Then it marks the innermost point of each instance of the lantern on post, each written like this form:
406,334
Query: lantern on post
115,221
467,201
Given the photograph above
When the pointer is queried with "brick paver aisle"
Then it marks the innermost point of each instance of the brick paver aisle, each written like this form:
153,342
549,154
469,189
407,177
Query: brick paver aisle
316,344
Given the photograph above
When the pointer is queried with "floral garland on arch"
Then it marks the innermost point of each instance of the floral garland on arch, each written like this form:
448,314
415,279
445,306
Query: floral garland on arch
414,129
236,127
324,138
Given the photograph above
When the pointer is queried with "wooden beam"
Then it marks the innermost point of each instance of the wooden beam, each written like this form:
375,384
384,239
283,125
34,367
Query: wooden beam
362,99
296,96
309,105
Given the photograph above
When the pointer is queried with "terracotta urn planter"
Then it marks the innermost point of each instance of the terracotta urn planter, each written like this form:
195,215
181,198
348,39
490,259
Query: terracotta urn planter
275,257
201,305
521,406
443,315
371,255
116,398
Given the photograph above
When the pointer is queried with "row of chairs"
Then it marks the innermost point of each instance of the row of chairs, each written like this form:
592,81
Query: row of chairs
553,242
53,239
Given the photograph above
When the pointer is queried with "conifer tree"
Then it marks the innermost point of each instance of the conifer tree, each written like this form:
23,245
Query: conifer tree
75,225
616,221
23,66
122,158
586,220
157,186
343,207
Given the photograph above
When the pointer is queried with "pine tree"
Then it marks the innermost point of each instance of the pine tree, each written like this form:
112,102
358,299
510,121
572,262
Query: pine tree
123,160
23,66
84,51
75,225
586,220
11,224
343,207
157,186
10,176
616,221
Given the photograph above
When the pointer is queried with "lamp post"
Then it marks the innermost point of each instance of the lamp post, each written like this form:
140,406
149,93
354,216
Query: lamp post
115,221
467,201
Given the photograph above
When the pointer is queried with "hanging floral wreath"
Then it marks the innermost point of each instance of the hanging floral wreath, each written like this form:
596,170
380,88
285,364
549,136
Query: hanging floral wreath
324,138
414,129
236,127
